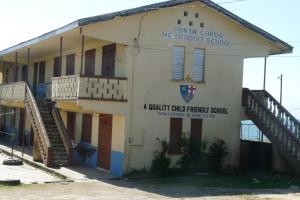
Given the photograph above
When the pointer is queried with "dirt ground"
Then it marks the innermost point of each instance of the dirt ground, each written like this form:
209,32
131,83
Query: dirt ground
128,190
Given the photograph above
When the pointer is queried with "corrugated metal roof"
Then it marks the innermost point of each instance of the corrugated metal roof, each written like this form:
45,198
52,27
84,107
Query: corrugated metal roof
152,7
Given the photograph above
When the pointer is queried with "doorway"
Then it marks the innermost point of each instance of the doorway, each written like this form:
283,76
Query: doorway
108,60
35,78
104,141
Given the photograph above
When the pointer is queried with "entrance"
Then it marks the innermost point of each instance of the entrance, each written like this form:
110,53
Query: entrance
108,60
104,141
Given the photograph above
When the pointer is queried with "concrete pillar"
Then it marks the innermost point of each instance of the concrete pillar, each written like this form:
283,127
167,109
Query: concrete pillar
36,150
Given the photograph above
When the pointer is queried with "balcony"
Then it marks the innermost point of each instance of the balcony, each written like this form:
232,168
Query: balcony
68,88
13,94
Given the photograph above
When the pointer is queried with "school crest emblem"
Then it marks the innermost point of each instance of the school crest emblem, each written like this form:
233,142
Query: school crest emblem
187,92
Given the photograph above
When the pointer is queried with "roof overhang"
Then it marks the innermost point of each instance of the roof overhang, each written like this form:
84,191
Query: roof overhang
283,46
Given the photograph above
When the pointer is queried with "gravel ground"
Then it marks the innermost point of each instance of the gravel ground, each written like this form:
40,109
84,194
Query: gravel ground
126,190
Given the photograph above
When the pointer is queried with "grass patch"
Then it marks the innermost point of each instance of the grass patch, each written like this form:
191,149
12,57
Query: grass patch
253,181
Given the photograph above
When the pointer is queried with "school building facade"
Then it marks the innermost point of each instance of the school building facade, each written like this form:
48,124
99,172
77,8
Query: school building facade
118,83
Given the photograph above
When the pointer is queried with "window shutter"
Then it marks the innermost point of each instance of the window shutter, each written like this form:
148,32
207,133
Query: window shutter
175,135
198,67
178,63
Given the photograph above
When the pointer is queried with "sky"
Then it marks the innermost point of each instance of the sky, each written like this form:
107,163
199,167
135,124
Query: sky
23,20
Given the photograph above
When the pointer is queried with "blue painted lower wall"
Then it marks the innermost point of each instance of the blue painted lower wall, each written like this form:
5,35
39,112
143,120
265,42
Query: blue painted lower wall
116,160
6,137
116,164
90,161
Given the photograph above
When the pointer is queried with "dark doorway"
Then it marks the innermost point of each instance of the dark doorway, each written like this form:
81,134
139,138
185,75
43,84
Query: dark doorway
24,73
255,156
104,141
108,60
56,67
42,69
70,69
89,66
6,76
71,125
35,78
86,130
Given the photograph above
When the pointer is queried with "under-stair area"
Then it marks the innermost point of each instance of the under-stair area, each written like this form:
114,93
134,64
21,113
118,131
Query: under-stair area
278,124
53,143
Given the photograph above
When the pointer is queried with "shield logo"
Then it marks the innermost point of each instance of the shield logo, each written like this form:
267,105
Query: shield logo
187,92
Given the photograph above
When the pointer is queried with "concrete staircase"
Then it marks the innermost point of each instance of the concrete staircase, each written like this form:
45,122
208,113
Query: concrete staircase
59,154
280,126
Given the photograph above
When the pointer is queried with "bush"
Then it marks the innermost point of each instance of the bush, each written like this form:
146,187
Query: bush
217,152
200,155
161,163
194,154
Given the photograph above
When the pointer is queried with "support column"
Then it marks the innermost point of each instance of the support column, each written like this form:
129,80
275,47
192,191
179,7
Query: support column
28,62
265,71
16,68
36,150
2,68
60,54
82,52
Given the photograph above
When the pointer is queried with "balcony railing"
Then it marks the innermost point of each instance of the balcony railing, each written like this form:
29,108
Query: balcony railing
89,87
13,91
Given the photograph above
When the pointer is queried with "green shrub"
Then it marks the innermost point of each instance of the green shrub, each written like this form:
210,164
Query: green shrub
194,156
217,151
161,163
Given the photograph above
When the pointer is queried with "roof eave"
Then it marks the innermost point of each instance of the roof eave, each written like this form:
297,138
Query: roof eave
40,38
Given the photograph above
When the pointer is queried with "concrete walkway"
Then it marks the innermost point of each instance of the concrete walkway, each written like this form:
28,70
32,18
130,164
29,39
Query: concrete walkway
25,173
70,173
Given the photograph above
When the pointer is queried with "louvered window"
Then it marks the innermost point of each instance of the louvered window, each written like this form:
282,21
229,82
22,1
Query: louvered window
198,66
178,63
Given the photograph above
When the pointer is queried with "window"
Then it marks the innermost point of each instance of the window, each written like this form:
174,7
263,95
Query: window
198,66
175,135
178,63
185,13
